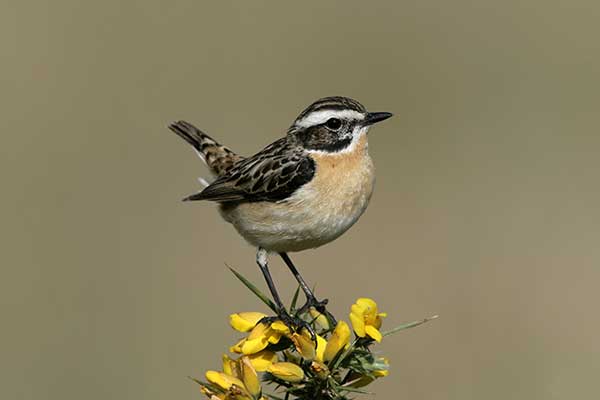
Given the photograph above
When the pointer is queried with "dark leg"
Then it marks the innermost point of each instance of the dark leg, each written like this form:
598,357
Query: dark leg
309,294
311,300
282,314
261,260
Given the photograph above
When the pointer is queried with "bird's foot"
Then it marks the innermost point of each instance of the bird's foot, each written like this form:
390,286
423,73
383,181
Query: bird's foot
295,324
319,306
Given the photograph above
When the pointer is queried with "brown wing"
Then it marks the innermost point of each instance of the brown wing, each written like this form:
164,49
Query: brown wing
271,175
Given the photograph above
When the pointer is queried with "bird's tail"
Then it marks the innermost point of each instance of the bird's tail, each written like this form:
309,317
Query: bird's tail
217,157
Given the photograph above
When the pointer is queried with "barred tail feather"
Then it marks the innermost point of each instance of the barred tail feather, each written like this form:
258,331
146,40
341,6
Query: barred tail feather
217,157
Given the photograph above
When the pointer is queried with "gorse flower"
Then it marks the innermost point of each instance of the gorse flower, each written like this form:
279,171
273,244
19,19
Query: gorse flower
245,321
287,371
261,335
365,319
304,344
314,362
238,381
340,339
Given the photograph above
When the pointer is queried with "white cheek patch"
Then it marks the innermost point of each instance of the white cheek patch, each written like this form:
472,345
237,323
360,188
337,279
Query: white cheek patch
318,117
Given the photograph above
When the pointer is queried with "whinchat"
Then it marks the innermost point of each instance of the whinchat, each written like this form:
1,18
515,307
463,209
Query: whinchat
301,191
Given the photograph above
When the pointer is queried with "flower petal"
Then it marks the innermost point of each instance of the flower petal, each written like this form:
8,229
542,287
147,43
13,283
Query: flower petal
245,321
250,378
287,371
261,360
252,346
222,380
339,339
260,330
304,345
280,327
237,348
358,324
230,366
367,303
321,345
373,333
274,337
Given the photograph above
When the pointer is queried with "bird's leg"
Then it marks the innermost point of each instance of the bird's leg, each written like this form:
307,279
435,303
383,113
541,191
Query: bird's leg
282,313
262,261
311,300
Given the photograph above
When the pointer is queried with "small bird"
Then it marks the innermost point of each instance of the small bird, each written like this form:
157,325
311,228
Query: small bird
301,191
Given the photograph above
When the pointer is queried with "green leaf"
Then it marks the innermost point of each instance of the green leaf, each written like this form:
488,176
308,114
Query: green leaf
342,355
206,384
254,289
353,390
272,396
199,382
408,325
294,300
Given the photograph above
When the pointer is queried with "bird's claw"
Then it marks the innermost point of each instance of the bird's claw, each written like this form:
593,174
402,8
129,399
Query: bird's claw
295,324
320,307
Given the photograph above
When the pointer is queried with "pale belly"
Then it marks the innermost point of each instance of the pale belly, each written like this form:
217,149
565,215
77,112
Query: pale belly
314,215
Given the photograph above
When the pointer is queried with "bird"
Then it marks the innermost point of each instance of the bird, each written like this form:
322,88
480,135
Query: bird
300,192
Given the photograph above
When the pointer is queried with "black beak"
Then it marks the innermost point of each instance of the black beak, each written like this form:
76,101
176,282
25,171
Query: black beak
374,117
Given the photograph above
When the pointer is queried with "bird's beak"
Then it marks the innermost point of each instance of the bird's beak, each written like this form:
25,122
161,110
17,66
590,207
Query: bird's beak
374,117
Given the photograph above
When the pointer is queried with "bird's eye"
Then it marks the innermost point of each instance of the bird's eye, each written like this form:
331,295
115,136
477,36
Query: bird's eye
333,124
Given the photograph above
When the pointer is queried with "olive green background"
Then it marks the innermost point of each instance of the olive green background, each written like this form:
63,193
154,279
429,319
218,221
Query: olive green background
486,209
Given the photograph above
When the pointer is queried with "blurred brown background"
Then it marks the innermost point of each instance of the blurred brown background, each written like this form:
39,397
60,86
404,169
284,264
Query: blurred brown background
486,207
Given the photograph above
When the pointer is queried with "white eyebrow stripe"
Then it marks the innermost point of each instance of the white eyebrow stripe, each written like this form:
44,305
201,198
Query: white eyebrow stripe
318,117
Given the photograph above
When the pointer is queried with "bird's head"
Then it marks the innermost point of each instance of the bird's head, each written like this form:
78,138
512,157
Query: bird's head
333,124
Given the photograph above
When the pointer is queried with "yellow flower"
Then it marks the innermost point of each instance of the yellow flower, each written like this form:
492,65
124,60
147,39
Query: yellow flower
321,345
245,321
260,337
250,378
237,348
230,367
365,319
304,344
340,338
223,380
287,371
280,327
238,380
261,360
